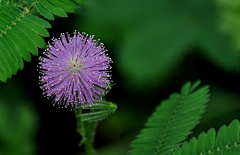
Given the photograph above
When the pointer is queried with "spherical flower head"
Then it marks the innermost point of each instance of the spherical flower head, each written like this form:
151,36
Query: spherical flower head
75,70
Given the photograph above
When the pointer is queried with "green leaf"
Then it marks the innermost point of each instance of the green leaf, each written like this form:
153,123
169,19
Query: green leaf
9,15
71,3
226,142
219,139
3,75
186,88
20,47
185,148
178,151
14,9
7,69
49,7
19,34
38,20
98,111
234,132
79,1
52,8
35,37
11,59
3,22
27,41
210,140
44,12
201,143
35,27
195,85
62,5
11,47
193,146
13,51
172,122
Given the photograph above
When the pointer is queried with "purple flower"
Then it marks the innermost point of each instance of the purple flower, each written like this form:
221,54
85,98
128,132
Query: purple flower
75,70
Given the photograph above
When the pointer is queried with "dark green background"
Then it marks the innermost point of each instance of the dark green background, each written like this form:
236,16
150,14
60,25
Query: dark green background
156,46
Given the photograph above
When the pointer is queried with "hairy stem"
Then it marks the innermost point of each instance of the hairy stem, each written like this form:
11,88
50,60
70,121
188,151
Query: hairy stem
86,130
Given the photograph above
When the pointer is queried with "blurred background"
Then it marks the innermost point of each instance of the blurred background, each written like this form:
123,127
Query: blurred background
156,47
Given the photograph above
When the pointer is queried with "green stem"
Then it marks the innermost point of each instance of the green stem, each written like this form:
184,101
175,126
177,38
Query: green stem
89,137
86,130
89,147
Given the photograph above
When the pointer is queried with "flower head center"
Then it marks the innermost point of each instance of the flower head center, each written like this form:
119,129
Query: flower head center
75,64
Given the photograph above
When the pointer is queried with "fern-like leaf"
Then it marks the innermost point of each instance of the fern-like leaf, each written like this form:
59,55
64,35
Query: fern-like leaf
19,34
172,121
225,143
57,7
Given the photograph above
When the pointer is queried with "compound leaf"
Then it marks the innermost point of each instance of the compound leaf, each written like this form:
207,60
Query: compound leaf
172,122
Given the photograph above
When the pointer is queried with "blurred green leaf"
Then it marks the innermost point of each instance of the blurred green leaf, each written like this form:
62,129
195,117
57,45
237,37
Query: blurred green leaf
152,39
18,120
17,128
230,21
